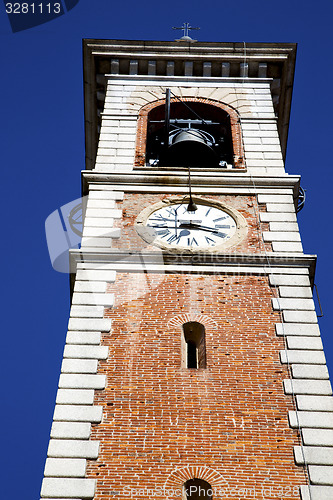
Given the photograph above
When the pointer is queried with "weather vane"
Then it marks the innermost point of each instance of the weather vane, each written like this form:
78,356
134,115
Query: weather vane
186,28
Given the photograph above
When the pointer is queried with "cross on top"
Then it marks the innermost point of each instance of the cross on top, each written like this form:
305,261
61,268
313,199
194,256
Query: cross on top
186,28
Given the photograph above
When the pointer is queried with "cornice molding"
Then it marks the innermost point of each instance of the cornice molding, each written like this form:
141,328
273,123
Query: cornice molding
157,179
160,260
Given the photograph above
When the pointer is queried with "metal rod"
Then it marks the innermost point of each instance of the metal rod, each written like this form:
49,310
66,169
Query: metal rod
196,114
167,119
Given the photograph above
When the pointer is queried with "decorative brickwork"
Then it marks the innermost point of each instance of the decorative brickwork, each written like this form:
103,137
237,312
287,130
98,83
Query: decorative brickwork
140,152
182,474
164,424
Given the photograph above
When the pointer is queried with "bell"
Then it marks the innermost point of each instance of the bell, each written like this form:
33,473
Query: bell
191,147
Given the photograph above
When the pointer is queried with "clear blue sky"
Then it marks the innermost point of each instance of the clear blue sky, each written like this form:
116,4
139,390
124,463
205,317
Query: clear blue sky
42,154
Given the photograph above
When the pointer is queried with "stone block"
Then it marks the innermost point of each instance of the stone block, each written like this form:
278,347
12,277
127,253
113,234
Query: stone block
73,448
79,366
99,242
101,232
277,217
316,492
308,343
65,467
70,430
313,419
100,203
87,311
83,338
283,226
289,279
83,324
78,413
281,236
280,207
272,155
287,246
79,381
275,198
103,212
75,397
251,139
106,221
300,386
102,222
117,161
313,455
315,403
301,292
96,275
105,195
318,437
68,488
321,474
100,299
86,352
299,316
302,357
293,303
90,287
319,372
305,329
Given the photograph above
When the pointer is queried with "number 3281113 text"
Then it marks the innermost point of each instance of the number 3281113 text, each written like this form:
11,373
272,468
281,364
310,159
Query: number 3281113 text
33,8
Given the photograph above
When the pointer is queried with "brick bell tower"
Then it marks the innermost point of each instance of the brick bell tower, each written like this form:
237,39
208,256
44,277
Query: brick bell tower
193,366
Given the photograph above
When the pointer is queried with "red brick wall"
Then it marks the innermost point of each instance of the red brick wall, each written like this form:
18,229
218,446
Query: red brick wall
226,424
134,203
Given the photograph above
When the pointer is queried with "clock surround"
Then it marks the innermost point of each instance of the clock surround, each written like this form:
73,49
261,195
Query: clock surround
201,234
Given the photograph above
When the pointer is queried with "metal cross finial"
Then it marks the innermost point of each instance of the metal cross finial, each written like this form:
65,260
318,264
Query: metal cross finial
186,28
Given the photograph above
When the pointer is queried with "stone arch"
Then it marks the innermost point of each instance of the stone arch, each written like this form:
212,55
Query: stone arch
236,132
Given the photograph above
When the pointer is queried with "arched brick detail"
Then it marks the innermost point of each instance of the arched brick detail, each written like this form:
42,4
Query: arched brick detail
179,476
181,319
236,132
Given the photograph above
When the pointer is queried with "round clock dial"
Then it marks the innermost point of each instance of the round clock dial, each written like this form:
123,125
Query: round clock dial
175,227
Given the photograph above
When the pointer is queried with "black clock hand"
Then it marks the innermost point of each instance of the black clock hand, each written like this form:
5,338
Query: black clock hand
190,225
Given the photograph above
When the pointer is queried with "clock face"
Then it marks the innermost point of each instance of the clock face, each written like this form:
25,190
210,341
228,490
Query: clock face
173,226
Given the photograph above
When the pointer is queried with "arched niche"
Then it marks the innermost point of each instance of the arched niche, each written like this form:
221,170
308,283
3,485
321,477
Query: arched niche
194,346
224,127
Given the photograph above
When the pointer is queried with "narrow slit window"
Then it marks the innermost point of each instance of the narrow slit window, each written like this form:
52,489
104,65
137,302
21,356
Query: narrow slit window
194,345
192,354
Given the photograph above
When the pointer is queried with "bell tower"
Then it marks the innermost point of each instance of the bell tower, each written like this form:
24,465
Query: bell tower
193,366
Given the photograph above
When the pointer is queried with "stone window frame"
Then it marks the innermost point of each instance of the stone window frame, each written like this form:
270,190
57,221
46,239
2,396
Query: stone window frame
236,133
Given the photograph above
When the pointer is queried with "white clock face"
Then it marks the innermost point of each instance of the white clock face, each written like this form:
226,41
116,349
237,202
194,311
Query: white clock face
207,227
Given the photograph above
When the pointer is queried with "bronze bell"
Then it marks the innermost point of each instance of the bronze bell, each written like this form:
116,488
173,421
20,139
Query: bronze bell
191,148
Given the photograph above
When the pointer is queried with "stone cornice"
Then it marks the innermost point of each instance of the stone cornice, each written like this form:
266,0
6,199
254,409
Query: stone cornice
210,263
169,181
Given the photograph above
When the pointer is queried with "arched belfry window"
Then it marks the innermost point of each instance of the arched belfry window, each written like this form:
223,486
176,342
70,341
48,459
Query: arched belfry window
190,134
197,489
193,345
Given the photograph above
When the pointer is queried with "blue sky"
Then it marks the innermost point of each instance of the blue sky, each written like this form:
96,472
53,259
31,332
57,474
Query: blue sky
42,154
